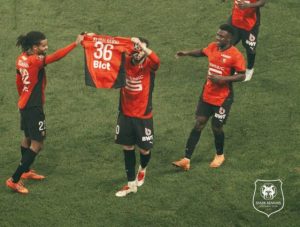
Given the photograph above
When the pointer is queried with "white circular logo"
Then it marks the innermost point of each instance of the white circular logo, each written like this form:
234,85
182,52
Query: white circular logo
148,131
222,110
251,38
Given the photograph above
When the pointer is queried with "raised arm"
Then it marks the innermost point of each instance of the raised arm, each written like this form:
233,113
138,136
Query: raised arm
141,45
154,59
59,54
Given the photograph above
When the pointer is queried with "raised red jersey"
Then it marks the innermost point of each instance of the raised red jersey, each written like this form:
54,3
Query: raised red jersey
105,59
136,96
245,18
221,63
31,76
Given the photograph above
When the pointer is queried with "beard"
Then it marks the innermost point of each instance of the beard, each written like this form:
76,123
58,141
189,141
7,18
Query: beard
137,60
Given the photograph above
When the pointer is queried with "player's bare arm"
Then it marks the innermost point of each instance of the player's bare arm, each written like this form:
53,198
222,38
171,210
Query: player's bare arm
225,79
193,53
242,4
57,55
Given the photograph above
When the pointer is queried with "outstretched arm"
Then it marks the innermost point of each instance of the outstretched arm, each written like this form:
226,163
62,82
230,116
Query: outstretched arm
193,53
59,54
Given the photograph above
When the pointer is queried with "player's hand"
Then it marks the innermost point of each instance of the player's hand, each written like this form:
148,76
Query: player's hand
180,54
216,79
136,41
79,39
242,5
87,33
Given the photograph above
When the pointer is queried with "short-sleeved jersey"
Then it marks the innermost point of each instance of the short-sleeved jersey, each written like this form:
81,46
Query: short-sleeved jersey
105,59
136,96
245,18
31,76
222,63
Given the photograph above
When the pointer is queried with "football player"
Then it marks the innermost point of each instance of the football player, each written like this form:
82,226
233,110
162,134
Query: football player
226,65
31,83
245,18
135,121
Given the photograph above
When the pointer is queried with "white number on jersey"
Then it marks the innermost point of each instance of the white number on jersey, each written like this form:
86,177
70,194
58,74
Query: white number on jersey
103,51
25,76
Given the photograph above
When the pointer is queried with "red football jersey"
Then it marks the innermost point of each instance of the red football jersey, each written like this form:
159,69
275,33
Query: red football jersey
221,63
136,96
104,60
245,18
31,76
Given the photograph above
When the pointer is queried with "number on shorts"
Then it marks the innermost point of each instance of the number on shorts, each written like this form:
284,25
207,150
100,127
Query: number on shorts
42,125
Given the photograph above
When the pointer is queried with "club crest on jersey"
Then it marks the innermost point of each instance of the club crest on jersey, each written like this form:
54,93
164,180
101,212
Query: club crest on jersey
225,57
268,196
149,135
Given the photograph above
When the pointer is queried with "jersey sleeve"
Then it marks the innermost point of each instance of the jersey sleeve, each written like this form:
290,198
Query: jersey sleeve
154,61
57,55
37,61
239,64
207,50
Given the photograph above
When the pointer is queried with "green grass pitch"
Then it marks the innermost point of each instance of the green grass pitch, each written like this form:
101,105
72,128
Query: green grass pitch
84,167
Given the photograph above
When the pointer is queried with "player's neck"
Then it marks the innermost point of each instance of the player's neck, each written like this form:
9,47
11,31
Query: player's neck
32,52
29,52
225,47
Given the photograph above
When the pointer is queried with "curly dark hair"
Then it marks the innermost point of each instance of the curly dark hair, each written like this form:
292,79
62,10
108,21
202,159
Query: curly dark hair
30,39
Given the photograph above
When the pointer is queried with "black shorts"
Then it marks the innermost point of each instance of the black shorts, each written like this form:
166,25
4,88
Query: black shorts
249,38
134,131
33,123
219,113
